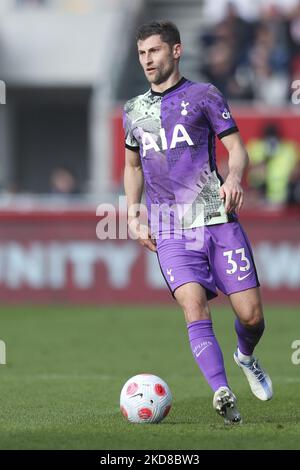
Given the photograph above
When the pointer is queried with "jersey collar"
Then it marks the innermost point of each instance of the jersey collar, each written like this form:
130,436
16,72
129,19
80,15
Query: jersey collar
168,90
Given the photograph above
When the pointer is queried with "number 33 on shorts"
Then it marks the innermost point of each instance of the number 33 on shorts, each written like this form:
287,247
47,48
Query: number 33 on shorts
238,261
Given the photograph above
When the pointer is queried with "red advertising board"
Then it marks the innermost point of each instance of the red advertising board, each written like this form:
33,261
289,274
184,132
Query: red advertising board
56,257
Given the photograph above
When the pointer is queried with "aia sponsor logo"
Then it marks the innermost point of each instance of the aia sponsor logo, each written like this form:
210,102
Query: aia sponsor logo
150,141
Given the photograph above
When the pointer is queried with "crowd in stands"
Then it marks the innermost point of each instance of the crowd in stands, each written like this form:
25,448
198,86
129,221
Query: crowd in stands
252,54
250,50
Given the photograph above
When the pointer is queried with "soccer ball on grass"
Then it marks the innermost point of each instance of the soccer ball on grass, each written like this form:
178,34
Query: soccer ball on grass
145,398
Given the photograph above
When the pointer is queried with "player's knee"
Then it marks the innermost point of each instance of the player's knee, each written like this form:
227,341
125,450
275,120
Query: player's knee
195,310
253,316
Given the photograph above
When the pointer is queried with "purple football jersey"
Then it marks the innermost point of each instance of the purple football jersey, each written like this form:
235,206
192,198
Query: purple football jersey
174,132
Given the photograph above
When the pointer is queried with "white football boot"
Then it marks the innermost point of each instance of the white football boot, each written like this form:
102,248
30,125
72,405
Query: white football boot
259,381
224,403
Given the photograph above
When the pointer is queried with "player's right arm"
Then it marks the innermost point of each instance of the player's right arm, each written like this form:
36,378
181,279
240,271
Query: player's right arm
134,184
133,181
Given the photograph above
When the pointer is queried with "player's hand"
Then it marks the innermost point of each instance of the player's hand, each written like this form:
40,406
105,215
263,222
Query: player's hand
141,233
232,193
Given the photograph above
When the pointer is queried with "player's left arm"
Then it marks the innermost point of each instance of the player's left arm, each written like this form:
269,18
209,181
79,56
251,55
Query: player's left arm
231,191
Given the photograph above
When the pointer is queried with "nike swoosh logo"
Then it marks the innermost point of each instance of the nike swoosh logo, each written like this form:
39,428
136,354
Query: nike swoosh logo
201,350
240,278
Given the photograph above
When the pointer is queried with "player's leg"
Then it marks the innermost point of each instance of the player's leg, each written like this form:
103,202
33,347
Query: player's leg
204,345
187,275
249,327
232,263
205,348
249,323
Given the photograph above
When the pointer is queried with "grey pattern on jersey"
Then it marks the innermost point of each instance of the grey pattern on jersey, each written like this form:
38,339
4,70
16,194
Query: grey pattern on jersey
175,134
142,115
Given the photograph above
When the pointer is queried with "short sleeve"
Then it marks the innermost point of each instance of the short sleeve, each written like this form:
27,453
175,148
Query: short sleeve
217,112
130,141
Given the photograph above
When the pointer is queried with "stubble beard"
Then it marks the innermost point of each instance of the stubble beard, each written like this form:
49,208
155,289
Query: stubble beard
161,76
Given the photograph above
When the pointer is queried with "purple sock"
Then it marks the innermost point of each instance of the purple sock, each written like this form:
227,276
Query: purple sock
248,336
207,353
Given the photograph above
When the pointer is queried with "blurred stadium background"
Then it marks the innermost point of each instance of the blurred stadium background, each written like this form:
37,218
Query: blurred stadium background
67,67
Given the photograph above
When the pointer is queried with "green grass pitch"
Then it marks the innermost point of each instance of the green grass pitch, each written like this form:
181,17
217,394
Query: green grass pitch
66,366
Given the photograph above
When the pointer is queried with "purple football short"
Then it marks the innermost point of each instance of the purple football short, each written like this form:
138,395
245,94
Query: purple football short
216,256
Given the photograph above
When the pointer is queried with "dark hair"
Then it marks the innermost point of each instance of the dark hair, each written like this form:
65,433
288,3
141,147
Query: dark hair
167,30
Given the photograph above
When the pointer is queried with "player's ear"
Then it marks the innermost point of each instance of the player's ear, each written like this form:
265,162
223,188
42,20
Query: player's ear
177,51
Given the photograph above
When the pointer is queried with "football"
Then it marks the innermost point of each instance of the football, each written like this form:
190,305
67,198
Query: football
145,398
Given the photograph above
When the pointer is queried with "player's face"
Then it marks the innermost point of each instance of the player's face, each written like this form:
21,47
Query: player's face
157,58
